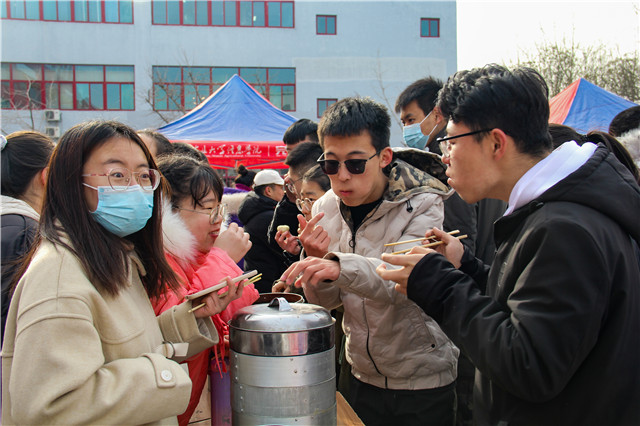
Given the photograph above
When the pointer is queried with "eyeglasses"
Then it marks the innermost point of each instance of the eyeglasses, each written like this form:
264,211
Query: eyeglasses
120,178
304,204
354,166
214,213
445,146
291,186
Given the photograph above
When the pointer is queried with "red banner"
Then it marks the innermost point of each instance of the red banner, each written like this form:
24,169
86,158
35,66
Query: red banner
253,155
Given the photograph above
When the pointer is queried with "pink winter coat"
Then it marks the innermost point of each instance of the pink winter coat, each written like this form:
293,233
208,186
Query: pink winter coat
199,271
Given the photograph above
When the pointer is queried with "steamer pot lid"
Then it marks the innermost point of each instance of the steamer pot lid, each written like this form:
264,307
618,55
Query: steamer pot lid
281,316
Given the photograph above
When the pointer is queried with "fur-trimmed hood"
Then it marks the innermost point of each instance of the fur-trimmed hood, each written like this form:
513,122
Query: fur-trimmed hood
631,141
233,201
177,239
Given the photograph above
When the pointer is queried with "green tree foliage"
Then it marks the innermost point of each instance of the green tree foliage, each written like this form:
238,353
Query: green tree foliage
562,63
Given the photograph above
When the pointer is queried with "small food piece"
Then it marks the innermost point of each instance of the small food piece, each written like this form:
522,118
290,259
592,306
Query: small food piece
283,228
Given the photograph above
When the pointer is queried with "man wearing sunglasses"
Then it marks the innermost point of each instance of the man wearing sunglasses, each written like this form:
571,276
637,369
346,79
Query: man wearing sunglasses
552,326
377,199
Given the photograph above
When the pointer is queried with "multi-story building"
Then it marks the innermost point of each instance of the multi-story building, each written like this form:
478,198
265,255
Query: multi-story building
148,62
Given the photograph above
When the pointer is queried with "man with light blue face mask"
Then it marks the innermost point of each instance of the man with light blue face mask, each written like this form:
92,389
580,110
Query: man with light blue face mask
423,124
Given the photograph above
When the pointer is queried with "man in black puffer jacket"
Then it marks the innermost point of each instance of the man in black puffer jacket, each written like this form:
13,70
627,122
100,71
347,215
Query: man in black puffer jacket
255,213
553,326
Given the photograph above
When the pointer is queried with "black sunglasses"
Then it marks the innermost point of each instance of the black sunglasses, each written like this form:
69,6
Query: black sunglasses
354,166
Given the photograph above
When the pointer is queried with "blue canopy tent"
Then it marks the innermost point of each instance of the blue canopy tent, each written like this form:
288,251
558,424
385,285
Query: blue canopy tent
234,125
586,107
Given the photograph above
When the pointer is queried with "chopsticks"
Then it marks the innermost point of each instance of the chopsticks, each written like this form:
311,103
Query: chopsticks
250,280
415,240
221,295
436,243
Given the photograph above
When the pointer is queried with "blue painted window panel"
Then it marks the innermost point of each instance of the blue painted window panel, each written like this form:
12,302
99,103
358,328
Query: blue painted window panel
126,12
230,13
32,10
173,12
273,9
113,96
202,13
95,11
258,14
159,12
126,97
64,10
217,13
287,15
188,12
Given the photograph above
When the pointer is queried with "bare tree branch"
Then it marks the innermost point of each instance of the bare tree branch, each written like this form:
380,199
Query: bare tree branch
379,77
561,63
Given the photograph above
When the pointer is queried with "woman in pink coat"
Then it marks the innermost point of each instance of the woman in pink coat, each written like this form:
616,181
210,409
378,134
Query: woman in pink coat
191,224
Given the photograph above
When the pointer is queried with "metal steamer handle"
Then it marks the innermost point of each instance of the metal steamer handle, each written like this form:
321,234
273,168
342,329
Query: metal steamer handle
280,303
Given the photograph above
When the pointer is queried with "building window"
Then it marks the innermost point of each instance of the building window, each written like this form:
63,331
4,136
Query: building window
323,104
326,24
429,27
225,13
104,11
70,87
178,88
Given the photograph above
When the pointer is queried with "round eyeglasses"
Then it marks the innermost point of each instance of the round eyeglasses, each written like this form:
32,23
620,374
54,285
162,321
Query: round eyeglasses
214,214
304,204
120,178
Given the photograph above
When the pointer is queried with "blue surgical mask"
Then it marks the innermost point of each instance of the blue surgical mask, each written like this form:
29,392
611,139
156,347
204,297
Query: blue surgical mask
413,136
123,212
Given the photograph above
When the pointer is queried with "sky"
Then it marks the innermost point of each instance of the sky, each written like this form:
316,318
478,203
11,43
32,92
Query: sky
502,30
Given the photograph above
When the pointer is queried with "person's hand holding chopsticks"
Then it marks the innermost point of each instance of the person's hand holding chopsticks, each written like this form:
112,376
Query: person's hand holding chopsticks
407,261
213,303
451,247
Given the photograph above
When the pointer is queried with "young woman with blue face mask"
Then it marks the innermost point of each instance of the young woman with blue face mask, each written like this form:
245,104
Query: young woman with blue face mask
82,343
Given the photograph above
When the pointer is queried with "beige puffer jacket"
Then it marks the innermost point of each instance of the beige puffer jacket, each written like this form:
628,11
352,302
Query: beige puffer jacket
391,343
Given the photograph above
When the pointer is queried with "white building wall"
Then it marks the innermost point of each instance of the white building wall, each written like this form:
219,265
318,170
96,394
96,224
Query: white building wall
377,52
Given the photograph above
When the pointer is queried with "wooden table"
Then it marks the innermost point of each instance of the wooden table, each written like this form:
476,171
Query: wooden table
346,415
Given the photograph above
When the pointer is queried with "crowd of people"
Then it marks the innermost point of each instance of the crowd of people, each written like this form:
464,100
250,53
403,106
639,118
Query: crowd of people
486,273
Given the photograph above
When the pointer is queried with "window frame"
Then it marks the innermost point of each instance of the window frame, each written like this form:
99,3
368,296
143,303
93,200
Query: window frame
72,10
327,105
75,84
326,17
430,21
264,88
236,10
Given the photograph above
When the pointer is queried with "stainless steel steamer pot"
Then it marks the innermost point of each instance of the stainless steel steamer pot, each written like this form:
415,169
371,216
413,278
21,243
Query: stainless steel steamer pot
282,365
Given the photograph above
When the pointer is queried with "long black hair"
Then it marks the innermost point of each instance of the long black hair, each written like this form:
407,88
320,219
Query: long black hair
66,220
25,154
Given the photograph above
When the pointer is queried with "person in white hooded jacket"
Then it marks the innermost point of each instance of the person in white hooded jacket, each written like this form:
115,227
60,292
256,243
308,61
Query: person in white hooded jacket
25,156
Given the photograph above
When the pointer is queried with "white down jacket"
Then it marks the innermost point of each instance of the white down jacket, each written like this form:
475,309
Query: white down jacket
391,343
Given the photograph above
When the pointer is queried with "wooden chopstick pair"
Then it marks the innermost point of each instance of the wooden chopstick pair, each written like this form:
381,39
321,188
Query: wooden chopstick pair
221,295
435,243
415,240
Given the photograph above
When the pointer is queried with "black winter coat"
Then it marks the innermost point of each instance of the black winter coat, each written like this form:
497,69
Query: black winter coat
17,234
553,327
256,212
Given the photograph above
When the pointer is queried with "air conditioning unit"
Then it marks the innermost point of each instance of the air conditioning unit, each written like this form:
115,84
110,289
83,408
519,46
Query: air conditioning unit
52,114
52,132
